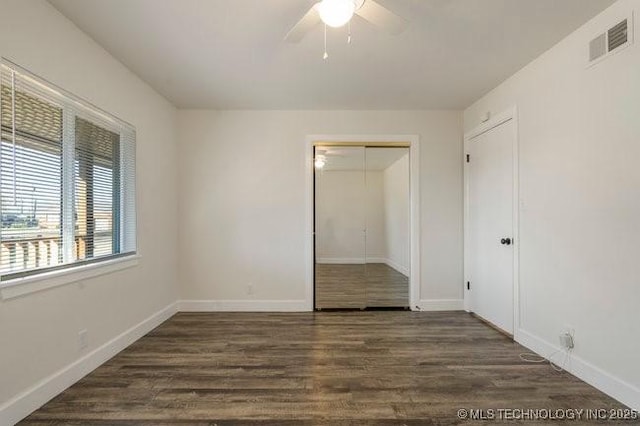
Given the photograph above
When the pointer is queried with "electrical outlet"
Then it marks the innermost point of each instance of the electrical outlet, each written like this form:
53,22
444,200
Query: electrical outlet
570,329
83,339
567,337
250,289
566,340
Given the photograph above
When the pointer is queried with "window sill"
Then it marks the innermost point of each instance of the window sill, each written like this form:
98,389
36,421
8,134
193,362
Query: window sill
34,283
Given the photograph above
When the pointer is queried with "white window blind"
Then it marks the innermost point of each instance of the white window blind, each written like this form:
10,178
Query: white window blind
67,179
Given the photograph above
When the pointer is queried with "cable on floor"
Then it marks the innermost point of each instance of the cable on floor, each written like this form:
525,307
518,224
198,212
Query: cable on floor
539,359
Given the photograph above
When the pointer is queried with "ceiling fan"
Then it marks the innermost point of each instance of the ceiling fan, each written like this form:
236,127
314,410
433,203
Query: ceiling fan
337,13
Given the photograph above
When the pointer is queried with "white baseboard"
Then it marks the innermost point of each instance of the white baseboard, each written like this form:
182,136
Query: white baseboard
596,377
341,260
377,260
361,261
402,269
441,305
25,403
244,306
33,398
351,260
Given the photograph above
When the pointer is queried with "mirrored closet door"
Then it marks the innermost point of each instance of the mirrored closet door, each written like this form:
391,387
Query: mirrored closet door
340,200
361,227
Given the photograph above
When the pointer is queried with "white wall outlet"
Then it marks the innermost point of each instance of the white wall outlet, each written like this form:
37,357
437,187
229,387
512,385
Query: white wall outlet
566,340
250,289
83,339
568,328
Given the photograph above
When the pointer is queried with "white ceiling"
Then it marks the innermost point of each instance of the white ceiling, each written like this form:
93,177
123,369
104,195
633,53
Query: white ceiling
360,158
230,54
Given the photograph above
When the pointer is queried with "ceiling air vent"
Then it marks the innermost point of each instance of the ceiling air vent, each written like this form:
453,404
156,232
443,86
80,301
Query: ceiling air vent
611,40
618,35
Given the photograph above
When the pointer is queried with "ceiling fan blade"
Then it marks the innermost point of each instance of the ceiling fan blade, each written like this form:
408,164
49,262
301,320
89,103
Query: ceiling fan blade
304,25
382,17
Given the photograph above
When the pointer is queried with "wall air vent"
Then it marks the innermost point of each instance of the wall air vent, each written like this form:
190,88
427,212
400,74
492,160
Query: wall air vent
598,47
618,36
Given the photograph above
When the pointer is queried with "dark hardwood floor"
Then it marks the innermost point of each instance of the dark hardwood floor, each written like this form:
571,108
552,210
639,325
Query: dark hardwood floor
353,286
328,368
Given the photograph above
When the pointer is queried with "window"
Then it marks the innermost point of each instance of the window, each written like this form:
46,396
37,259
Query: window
67,179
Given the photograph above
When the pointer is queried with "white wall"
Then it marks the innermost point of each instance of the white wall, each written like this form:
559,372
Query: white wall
39,331
376,238
580,202
396,214
341,205
242,198
346,204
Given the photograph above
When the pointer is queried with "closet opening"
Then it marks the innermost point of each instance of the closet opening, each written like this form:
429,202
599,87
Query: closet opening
362,226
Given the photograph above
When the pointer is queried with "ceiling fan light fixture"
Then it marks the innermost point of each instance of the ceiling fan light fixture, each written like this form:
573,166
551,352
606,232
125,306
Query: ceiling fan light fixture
336,13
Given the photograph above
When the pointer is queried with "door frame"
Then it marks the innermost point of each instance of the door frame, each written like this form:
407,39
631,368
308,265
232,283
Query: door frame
510,114
414,205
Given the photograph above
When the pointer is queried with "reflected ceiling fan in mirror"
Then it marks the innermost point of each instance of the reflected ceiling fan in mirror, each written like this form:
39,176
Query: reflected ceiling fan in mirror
338,13
324,154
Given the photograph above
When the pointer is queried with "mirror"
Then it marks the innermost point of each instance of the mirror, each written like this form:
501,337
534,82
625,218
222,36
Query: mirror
387,227
340,199
361,227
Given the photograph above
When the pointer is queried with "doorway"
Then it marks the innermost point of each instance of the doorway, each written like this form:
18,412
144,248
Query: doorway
361,226
408,143
491,223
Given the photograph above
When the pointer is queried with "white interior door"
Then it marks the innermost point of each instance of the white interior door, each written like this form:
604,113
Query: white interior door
490,198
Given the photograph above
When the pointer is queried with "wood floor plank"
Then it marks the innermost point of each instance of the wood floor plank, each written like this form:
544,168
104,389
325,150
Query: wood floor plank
320,368
354,286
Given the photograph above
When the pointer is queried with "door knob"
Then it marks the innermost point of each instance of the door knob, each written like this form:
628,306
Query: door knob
505,241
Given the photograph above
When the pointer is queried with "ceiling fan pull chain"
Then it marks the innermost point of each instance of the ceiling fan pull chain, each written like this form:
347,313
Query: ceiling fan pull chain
326,55
349,36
